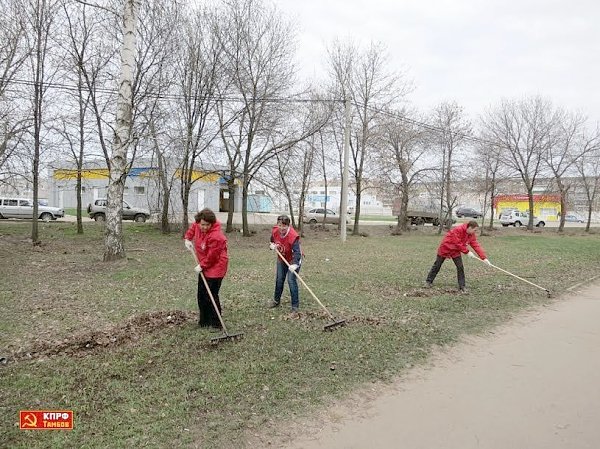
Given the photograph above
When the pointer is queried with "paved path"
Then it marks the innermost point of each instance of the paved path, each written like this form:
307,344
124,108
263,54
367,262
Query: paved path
534,384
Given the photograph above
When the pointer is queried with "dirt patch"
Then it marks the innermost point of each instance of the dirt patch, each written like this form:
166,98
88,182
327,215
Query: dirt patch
84,343
429,292
307,317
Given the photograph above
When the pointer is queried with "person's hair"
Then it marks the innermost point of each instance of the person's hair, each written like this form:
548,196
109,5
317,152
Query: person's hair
207,215
473,224
283,219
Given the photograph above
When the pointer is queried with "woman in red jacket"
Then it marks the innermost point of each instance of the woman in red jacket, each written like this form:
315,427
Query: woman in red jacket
210,244
452,247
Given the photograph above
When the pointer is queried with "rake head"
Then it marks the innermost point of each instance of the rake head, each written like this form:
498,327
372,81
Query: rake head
333,325
226,337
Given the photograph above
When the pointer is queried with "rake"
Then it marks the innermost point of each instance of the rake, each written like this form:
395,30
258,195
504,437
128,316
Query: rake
515,276
226,335
334,322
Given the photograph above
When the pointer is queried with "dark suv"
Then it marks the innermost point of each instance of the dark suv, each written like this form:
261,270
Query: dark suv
467,212
97,211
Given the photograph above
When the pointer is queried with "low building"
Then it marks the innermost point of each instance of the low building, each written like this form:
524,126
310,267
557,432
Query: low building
259,202
545,206
142,188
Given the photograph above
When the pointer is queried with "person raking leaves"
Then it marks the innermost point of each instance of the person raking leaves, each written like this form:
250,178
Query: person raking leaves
453,246
209,243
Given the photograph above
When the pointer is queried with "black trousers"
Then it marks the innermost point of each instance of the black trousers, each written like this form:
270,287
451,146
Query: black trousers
460,270
208,316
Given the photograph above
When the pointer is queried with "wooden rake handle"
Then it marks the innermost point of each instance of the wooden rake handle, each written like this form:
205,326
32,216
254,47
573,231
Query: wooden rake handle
514,275
210,295
305,285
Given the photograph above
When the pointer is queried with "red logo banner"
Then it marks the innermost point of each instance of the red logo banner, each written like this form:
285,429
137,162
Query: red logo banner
46,420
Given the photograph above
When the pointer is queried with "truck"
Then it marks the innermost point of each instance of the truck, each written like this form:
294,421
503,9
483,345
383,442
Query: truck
421,217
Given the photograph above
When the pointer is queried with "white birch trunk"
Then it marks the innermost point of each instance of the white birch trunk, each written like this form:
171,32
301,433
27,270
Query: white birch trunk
113,236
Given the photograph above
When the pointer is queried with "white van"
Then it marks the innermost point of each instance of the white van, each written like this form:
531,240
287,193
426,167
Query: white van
23,208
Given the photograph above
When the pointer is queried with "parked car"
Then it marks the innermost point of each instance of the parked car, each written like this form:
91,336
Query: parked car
517,218
317,215
23,208
468,212
573,218
97,211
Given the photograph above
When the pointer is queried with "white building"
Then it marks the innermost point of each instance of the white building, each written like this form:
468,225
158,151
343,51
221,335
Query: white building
369,203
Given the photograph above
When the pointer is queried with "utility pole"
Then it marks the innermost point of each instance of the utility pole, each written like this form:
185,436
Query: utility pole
344,193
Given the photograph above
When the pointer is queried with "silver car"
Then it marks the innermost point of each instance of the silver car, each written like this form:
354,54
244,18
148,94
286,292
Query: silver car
317,215
23,208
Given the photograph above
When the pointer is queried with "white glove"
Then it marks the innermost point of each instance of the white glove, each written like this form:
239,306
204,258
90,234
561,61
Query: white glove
293,267
272,246
188,244
471,254
487,261
198,269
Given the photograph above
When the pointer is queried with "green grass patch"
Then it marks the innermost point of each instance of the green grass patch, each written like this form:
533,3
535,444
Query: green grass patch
73,211
171,388
377,218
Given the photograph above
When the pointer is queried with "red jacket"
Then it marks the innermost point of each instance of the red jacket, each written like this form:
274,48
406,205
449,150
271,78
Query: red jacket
455,243
285,244
211,249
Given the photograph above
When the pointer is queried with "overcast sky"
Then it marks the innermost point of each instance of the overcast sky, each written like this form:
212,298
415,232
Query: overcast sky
472,51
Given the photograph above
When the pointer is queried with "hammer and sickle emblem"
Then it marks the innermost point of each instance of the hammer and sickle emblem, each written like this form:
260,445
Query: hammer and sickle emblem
30,420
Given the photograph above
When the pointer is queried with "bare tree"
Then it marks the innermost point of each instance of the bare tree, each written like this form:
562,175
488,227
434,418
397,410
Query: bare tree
401,148
80,39
568,146
12,35
198,75
318,148
13,55
258,47
40,15
294,168
588,168
452,128
363,76
524,131
488,156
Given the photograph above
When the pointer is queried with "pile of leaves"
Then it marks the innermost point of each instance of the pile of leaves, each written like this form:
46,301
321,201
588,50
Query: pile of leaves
84,343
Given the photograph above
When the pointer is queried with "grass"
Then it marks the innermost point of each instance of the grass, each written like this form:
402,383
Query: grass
377,218
171,388
73,211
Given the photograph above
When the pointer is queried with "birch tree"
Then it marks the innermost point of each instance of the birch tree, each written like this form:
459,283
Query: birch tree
113,238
